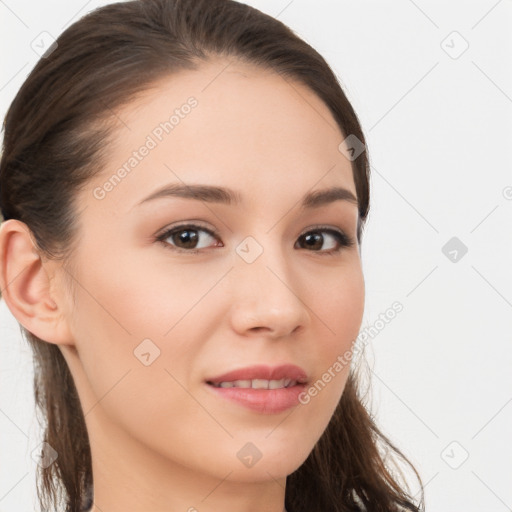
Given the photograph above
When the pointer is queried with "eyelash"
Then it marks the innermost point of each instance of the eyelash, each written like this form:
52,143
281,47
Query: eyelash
345,241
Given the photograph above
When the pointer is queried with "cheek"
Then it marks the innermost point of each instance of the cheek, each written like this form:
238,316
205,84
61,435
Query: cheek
129,313
340,306
117,331
148,296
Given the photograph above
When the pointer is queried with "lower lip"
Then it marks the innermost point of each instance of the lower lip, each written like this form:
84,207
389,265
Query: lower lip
264,401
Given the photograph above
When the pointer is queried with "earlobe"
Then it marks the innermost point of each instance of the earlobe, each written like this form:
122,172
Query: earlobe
26,285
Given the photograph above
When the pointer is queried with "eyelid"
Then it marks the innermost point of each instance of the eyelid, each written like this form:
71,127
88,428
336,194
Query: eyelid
186,224
328,228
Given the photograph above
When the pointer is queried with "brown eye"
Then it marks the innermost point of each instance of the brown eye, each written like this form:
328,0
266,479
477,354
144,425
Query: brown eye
189,238
334,240
313,241
185,238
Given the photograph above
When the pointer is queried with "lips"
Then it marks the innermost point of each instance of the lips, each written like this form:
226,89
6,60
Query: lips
262,372
263,389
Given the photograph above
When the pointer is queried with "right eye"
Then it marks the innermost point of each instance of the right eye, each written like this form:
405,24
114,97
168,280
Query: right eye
188,238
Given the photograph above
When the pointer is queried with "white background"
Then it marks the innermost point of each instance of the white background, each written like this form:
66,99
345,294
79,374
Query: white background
439,134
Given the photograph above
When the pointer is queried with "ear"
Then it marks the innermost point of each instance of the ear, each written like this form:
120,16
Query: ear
25,282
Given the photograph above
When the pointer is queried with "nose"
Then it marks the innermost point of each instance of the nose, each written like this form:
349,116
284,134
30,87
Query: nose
267,299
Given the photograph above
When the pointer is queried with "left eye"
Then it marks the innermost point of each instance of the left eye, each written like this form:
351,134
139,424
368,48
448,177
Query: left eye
315,239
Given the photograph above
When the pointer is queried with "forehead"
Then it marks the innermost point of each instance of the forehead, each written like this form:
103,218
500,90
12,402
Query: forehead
227,122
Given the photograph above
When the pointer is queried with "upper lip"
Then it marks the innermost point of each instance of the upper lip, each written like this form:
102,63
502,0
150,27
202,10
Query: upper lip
284,371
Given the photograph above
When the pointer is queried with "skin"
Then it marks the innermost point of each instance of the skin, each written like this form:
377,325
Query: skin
160,439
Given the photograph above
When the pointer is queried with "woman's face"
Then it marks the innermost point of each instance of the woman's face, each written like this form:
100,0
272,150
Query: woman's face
260,279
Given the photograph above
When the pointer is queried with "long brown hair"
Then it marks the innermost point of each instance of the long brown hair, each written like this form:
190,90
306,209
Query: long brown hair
55,134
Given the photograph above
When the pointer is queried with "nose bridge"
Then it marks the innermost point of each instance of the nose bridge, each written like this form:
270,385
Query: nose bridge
265,291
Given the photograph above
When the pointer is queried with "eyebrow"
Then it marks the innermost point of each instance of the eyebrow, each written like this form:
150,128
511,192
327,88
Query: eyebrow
214,194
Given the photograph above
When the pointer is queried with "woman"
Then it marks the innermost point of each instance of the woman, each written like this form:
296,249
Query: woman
184,187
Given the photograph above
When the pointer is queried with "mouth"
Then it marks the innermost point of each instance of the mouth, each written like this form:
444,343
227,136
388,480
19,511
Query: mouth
261,377
256,384
263,389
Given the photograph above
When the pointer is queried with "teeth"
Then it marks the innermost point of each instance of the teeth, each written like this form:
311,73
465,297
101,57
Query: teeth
277,384
258,384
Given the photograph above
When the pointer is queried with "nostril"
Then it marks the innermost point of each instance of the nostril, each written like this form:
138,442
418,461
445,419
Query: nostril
259,329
